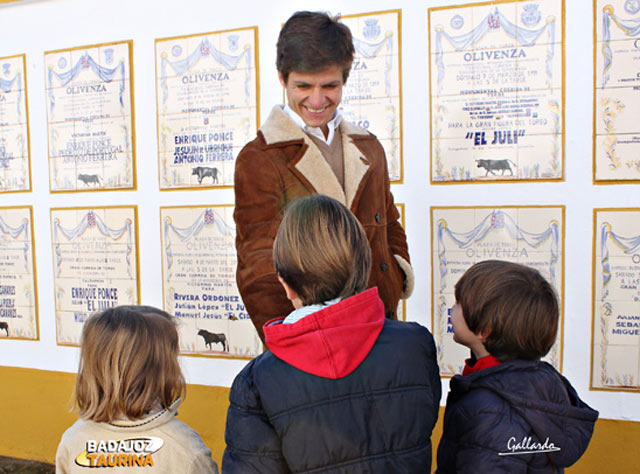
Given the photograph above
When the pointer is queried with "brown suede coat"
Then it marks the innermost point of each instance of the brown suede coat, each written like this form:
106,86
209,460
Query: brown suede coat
282,164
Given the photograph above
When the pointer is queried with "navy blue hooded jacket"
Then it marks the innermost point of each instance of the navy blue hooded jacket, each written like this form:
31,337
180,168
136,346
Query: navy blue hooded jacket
517,417
341,391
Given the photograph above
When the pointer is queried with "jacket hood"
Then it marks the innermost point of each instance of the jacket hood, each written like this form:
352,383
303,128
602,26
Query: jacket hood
562,422
332,342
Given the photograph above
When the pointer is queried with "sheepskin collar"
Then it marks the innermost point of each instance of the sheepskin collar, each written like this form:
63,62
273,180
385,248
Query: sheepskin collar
279,129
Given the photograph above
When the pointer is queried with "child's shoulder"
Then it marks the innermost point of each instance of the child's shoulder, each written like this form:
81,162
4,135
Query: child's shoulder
74,440
515,380
183,435
533,378
409,329
81,428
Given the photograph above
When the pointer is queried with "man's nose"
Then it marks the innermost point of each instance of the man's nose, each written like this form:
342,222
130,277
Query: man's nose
316,99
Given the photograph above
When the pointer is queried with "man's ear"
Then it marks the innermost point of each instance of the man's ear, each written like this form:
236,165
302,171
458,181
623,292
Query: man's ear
282,81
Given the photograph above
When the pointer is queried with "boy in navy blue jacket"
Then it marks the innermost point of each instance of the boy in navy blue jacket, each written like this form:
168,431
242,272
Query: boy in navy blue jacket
509,412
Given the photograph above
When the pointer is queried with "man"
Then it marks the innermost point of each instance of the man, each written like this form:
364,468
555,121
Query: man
306,148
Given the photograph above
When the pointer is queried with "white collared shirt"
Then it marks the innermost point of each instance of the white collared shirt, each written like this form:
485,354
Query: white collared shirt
333,124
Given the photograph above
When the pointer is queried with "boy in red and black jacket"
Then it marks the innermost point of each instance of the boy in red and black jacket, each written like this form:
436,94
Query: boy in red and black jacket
341,389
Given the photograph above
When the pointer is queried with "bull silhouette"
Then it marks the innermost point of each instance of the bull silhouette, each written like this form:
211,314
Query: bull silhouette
214,338
89,179
203,171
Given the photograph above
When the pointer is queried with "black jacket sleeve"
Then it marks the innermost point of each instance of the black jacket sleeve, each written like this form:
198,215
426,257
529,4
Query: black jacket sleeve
253,446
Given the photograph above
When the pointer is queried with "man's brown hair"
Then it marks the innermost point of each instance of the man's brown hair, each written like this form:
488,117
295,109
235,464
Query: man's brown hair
513,305
321,251
311,42
128,364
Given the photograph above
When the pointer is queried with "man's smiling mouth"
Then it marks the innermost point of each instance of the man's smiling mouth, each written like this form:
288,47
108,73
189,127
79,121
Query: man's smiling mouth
316,111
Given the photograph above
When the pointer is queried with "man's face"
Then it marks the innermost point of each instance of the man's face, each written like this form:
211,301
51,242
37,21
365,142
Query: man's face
314,96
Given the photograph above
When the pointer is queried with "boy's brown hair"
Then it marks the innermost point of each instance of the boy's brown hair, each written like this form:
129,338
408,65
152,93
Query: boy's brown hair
513,305
128,364
321,251
311,42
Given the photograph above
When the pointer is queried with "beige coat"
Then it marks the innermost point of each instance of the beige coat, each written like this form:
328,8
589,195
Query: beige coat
160,443
282,164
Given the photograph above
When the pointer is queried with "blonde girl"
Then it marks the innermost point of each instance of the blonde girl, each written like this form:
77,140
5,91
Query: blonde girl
128,389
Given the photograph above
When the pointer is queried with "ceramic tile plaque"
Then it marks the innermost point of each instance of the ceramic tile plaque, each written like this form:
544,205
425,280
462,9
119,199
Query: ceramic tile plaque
90,121
199,282
372,96
616,300
462,236
18,292
95,264
497,91
207,105
14,126
616,91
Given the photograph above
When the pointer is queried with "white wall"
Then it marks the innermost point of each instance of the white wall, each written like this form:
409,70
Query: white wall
33,27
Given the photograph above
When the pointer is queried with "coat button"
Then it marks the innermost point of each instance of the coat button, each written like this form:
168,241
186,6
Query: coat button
377,217
384,266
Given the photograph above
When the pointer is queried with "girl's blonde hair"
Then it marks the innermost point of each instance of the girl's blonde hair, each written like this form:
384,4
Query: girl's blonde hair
321,251
128,364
